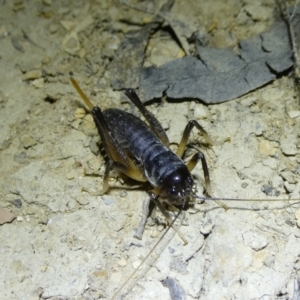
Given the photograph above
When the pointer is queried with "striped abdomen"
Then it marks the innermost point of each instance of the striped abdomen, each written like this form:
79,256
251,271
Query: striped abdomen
138,140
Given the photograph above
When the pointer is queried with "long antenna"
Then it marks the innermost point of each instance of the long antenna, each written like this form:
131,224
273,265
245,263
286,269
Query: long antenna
82,94
241,199
148,255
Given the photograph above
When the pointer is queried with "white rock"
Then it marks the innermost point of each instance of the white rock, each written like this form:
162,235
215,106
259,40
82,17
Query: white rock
255,240
294,114
122,262
200,112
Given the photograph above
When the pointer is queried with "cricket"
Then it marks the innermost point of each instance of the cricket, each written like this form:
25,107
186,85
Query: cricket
141,151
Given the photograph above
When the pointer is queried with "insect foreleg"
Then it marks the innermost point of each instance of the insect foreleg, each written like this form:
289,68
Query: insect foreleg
155,199
191,165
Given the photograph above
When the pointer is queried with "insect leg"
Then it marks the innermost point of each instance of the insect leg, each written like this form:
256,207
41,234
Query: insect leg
191,165
153,122
155,199
105,185
140,230
186,134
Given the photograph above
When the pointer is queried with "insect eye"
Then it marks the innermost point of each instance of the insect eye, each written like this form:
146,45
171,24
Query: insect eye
173,191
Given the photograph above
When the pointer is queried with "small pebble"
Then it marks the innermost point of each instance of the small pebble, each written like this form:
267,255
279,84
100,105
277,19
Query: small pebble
266,147
82,200
28,141
75,124
271,162
154,233
294,114
38,83
136,264
200,112
88,127
122,262
70,175
53,28
17,203
123,193
249,101
33,74
288,145
297,214
255,240
71,43
43,268
289,176
6,216
207,227
108,200
37,111
68,25
80,113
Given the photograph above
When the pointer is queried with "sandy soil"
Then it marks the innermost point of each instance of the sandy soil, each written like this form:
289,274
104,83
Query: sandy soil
67,243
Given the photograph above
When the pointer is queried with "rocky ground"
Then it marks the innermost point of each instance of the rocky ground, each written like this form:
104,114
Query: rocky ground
66,241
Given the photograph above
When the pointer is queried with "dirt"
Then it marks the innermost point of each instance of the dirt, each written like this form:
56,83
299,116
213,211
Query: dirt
68,243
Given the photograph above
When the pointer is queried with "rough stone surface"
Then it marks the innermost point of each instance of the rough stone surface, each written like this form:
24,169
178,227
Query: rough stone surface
68,241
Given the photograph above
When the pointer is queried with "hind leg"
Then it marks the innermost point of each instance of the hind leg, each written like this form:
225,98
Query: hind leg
152,121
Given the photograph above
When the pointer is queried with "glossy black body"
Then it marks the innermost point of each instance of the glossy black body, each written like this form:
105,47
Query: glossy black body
161,166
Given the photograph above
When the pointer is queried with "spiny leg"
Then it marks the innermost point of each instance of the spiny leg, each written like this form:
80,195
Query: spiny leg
118,159
155,199
153,122
186,134
191,165
194,160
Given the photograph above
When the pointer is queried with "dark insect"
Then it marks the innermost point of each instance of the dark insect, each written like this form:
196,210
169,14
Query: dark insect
141,151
